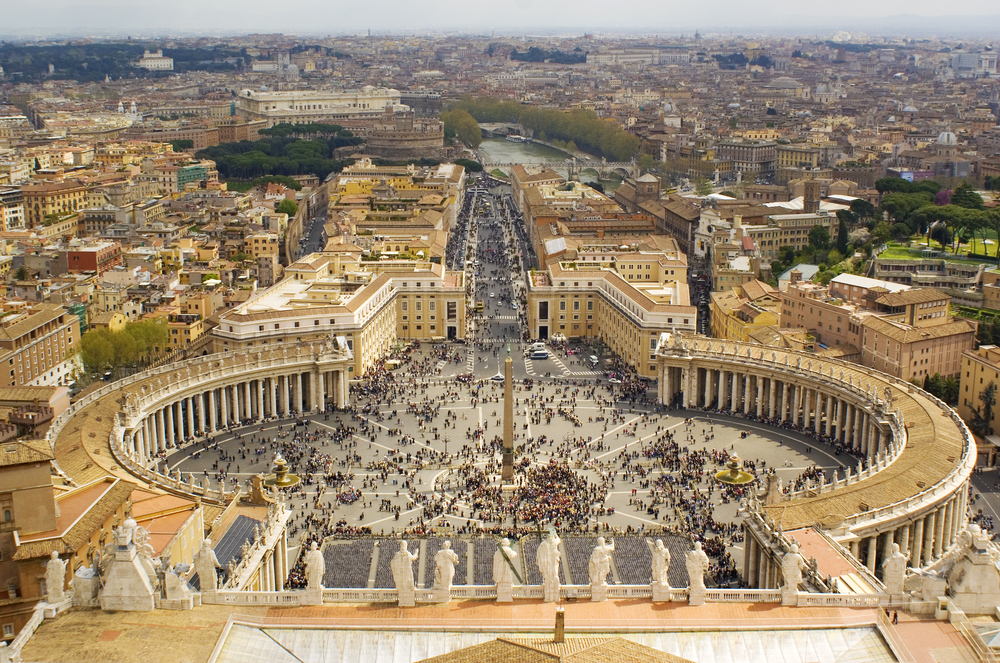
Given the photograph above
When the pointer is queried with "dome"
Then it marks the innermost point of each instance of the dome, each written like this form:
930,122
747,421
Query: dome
947,138
824,88
733,105
908,108
648,177
668,107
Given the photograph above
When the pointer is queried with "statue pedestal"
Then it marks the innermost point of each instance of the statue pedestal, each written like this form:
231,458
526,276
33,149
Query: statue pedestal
599,593
696,596
789,597
50,610
505,593
660,592
440,595
550,594
312,596
85,591
407,599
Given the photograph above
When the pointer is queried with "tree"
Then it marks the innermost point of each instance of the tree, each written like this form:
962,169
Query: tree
863,210
881,233
462,125
97,350
843,236
288,206
22,273
703,187
982,416
819,237
470,165
965,196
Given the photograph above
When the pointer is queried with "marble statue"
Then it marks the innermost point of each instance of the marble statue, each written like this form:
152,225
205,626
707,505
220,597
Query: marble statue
696,562
548,565
402,574
600,562
444,567
503,571
661,563
205,563
315,567
894,571
792,565
55,579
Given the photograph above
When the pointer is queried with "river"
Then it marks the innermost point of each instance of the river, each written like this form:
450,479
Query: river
502,150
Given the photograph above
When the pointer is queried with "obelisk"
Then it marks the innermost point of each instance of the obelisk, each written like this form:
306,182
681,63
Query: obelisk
508,419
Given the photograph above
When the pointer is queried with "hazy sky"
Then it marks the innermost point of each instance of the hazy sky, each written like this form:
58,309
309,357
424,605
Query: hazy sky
337,17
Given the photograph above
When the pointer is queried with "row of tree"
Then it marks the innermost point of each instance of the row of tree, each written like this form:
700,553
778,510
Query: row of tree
459,124
279,155
589,132
137,344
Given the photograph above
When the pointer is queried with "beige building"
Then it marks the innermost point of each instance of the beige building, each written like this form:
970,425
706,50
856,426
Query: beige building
611,302
308,106
980,369
908,334
37,344
371,304
743,308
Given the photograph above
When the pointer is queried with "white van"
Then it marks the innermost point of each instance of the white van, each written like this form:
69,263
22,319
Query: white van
537,346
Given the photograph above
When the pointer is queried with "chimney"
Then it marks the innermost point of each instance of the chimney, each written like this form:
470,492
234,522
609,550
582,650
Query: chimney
560,635
810,200
796,275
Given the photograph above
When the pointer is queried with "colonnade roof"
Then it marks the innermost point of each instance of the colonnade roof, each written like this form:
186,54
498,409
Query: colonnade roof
82,448
935,439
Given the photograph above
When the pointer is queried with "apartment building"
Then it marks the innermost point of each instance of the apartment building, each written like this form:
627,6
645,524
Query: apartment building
980,369
44,198
737,312
593,300
371,304
906,333
37,344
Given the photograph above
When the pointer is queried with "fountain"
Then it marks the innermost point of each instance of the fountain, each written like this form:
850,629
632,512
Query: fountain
281,478
733,475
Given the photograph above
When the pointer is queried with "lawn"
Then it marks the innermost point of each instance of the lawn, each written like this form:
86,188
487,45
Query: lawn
895,251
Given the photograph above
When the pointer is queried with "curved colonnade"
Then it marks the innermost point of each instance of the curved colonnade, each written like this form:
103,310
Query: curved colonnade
121,428
919,453
914,491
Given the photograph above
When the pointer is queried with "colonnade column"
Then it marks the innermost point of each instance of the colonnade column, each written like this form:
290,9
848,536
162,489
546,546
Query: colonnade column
732,393
224,406
745,405
918,542
760,396
161,433
828,428
939,521
929,537
260,398
169,420
189,402
213,421
247,401
283,387
770,398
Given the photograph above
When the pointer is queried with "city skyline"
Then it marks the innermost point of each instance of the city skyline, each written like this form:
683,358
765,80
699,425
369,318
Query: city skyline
187,18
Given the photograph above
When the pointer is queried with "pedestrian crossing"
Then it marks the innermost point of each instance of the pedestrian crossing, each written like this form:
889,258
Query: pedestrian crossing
545,366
